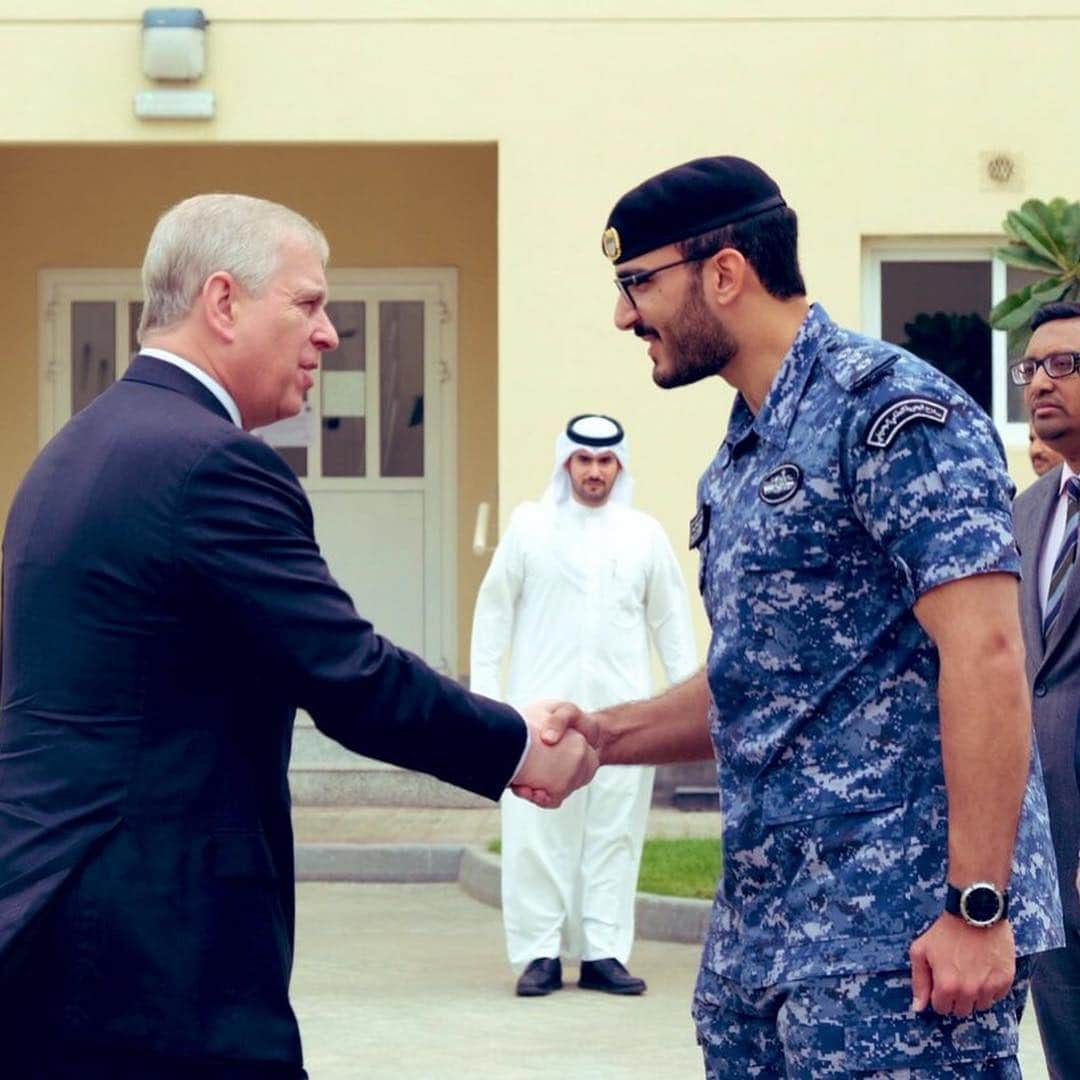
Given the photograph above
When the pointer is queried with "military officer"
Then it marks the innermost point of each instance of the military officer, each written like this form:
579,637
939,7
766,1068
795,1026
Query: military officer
886,848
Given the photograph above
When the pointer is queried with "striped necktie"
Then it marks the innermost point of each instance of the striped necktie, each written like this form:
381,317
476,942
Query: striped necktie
1066,557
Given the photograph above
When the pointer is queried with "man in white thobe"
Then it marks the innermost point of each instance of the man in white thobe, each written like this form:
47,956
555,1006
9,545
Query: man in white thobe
576,587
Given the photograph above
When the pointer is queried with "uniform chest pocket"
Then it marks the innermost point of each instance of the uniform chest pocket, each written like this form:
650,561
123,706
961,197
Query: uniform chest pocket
784,556
793,601
795,542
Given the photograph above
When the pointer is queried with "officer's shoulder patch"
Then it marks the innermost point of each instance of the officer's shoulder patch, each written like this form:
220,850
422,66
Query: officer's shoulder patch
893,417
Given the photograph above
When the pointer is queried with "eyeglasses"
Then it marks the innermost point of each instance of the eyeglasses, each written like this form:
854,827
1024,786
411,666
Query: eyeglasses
1056,365
625,282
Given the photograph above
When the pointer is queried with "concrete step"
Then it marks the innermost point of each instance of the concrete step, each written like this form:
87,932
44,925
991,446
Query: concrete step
696,798
311,749
324,773
376,787
670,778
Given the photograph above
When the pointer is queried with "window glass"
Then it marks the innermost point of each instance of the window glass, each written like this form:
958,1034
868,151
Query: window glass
938,310
343,391
134,315
401,386
93,350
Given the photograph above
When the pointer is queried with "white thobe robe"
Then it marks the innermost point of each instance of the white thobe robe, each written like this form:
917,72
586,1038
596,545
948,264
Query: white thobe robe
575,593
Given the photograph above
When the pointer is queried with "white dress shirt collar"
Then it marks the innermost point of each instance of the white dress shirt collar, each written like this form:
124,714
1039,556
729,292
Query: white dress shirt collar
208,381
1055,533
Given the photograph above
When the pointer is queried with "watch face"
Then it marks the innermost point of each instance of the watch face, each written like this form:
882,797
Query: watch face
981,904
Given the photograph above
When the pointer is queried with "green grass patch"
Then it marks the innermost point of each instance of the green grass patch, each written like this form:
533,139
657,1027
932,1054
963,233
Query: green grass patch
687,866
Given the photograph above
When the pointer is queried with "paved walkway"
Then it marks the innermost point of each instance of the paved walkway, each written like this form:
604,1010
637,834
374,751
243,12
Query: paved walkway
410,982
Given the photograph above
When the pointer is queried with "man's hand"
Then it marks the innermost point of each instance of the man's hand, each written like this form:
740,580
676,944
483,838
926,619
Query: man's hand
560,760
959,968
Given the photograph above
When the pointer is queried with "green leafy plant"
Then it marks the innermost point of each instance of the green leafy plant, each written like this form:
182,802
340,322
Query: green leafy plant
1044,238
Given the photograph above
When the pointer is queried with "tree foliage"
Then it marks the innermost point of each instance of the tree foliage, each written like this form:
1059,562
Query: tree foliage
1045,238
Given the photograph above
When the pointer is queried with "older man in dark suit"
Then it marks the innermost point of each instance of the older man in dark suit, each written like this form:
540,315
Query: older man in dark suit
1046,519
165,611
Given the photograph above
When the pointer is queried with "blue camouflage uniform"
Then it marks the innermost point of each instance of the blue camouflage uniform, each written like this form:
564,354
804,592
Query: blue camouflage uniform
866,479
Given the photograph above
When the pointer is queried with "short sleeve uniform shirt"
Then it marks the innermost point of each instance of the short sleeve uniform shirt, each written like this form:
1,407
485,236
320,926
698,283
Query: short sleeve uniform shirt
866,479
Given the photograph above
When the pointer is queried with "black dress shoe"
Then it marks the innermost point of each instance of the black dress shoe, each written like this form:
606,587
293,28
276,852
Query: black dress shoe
610,976
540,978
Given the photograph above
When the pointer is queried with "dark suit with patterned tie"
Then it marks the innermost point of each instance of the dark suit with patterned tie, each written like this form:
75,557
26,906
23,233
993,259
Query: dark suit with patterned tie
165,611
1053,668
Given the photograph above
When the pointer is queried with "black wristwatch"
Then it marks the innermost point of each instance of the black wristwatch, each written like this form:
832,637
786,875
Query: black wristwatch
979,904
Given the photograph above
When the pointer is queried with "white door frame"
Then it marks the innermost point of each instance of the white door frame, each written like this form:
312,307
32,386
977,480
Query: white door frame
436,286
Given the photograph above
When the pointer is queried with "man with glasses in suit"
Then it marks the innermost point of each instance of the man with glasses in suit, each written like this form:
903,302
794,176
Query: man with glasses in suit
1046,518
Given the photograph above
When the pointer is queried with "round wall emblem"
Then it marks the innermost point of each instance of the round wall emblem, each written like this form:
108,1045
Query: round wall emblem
611,243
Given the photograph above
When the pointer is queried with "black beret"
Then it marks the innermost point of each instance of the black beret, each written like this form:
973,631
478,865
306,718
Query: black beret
687,201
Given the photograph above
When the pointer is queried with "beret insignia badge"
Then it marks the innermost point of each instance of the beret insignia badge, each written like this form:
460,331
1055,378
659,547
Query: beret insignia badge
611,243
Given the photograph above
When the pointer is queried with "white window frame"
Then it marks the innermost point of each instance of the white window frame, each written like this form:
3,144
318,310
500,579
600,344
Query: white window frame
926,249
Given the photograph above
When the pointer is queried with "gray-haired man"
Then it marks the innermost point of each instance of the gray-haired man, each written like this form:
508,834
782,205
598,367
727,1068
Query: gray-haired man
166,610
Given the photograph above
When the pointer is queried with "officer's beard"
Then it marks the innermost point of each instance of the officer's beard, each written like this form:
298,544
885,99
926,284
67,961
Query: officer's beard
698,344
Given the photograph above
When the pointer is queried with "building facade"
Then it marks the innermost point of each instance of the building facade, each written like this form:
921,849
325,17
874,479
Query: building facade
462,158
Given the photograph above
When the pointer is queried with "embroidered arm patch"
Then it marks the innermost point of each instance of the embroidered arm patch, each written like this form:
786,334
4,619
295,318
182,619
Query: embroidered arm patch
895,416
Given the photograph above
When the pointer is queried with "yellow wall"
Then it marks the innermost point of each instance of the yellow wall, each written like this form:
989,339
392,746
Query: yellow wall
873,116
94,206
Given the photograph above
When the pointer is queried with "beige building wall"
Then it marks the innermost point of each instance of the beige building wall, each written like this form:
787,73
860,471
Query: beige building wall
94,206
874,118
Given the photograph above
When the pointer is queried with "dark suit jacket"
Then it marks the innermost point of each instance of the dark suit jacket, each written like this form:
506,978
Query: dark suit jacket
1053,669
165,610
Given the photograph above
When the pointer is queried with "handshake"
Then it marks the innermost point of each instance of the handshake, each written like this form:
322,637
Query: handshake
564,753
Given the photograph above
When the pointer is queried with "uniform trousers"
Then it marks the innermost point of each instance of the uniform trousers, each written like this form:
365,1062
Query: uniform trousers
569,876
858,1025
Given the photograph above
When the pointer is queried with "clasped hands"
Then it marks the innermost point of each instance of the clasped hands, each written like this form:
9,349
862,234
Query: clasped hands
563,753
